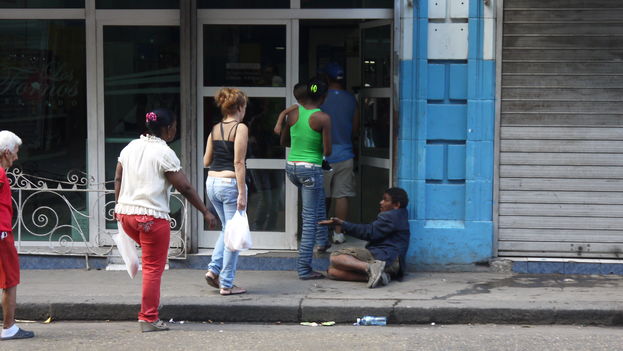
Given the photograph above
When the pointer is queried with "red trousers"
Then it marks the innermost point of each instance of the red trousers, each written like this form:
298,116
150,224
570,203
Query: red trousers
153,235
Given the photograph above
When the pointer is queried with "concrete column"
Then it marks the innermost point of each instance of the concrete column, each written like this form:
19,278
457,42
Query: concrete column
188,111
446,137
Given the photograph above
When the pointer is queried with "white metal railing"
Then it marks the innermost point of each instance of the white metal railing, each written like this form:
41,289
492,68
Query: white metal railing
75,216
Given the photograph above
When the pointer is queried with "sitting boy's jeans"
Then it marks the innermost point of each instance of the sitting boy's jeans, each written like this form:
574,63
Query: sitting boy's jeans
310,181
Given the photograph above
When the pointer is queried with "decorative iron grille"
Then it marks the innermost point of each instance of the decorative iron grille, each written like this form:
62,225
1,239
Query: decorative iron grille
75,216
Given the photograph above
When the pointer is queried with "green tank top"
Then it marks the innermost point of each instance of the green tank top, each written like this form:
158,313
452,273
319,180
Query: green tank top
305,143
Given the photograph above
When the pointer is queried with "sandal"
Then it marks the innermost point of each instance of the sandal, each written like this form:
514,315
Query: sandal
313,275
234,290
212,280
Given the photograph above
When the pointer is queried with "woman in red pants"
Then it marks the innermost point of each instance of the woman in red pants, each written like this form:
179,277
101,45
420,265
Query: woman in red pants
146,169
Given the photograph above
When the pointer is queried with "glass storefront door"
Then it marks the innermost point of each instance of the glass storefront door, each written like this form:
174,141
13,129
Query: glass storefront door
138,71
44,101
141,73
261,57
256,58
376,115
74,78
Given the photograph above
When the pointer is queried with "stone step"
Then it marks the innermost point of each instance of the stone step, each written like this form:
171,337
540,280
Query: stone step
115,262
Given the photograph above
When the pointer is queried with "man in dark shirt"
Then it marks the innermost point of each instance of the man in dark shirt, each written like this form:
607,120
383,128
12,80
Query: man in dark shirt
388,240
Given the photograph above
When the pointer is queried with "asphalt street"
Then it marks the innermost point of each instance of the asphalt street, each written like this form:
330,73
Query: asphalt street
206,336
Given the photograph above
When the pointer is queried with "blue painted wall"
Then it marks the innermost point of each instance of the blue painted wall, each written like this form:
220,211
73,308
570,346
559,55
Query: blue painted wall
445,149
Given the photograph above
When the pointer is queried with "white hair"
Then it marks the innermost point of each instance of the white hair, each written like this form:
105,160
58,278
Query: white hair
9,141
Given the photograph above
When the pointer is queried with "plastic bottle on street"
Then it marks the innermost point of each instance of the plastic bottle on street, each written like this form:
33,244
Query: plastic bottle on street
371,320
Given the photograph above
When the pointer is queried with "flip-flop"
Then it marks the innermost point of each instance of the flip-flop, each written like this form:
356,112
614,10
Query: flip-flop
234,290
212,281
312,276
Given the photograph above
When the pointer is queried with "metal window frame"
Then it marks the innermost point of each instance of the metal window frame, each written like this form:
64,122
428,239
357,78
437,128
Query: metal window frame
67,14
291,18
35,14
293,14
101,19
288,236
499,23
381,92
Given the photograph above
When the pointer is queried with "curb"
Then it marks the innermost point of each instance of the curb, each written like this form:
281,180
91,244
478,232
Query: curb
340,311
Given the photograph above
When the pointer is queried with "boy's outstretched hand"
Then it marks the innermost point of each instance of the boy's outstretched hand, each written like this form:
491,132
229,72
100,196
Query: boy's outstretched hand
331,221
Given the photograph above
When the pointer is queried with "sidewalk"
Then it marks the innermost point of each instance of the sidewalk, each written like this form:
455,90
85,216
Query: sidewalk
278,296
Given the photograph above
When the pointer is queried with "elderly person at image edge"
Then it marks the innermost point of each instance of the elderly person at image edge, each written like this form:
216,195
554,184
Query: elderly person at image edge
9,260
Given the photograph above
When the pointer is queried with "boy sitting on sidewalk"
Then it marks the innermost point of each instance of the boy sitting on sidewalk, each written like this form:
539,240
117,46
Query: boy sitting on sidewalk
388,240
9,261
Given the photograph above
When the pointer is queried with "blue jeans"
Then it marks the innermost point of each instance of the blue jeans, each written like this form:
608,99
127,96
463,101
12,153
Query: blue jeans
310,182
223,193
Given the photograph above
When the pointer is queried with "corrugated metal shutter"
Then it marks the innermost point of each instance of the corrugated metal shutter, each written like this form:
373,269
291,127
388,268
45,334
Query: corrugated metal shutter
561,131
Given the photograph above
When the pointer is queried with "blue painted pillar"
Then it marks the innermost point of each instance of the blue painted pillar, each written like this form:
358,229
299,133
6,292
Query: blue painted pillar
445,144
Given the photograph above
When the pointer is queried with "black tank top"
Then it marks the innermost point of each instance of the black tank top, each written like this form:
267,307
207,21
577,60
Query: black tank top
223,154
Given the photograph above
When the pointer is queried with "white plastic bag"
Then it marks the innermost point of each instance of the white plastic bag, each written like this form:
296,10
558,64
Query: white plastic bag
127,249
237,233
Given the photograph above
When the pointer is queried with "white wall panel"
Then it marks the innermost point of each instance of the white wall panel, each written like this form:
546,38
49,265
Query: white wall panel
488,45
407,33
447,41
437,9
490,9
459,8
